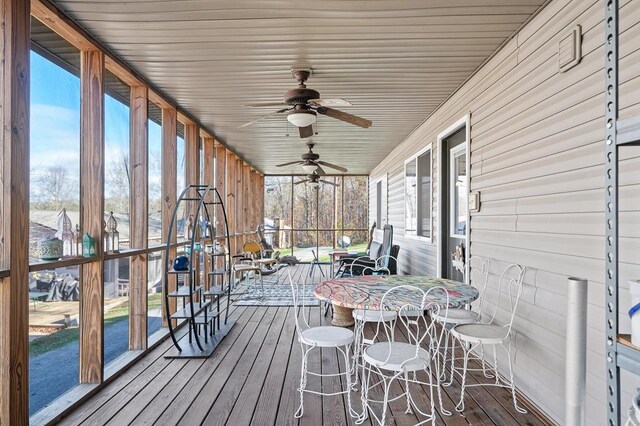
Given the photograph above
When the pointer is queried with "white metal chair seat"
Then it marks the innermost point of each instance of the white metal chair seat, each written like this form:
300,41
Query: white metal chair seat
368,315
245,268
480,333
327,336
403,356
457,316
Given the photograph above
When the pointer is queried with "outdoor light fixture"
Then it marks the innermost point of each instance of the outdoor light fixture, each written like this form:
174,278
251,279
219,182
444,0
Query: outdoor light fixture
309,167
302,117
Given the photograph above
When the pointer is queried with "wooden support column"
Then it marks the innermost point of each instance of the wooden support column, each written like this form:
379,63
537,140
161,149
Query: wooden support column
230,199
92,214
14,203
246,203
192,159
169,196
220,179
261,199
138,217
239,203
191,165
208,151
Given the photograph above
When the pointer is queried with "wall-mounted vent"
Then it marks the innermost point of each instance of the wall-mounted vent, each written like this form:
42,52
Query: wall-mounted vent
570,49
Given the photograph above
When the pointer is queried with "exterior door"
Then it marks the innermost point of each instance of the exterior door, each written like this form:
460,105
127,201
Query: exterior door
454,204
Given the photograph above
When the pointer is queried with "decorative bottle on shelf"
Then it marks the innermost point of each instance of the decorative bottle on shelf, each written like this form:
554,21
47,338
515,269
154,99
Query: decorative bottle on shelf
88,246
188,228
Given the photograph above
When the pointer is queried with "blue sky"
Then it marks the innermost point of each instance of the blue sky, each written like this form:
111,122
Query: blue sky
55,123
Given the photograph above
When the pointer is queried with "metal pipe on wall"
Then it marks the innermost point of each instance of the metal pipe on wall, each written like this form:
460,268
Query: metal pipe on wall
576,352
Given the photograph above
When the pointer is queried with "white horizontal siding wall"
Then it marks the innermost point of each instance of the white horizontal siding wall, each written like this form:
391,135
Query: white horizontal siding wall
537,158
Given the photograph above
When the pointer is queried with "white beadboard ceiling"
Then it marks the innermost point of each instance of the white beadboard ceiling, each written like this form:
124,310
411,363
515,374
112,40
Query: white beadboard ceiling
394,60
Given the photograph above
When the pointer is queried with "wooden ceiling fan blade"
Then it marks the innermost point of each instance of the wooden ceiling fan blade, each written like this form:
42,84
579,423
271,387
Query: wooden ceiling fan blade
320,171
333,166
343,116
263,117
306,132
265,104
301,181
289,164
328,182
335,102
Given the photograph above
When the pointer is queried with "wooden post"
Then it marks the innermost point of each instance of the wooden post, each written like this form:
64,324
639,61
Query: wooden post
220,180
246,203
14,203
92,214
169,189
138,217
239,202
207,163
230,200
192,160
192,177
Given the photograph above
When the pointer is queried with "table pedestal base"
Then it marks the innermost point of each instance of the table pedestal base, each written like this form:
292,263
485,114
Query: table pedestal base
342,317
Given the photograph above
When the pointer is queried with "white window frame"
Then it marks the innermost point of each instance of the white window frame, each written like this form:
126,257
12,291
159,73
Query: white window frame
414,157
384,203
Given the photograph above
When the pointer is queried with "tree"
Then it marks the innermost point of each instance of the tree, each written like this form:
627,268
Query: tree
118,182
54,187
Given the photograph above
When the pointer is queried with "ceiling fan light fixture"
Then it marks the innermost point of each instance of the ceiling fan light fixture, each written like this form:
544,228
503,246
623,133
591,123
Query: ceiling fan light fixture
314,183
302,117
309,168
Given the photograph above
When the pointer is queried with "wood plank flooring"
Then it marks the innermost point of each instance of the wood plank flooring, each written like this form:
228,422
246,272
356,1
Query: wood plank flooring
252,377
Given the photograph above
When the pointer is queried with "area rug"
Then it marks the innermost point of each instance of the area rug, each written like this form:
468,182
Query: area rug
276,295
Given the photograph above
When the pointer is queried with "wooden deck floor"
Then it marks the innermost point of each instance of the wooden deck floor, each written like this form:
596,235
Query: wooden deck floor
251,379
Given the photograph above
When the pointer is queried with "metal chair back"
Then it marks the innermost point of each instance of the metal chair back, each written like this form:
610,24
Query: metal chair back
410,302
509,290
297,307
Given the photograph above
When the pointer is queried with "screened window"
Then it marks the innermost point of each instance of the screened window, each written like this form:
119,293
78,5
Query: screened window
417,176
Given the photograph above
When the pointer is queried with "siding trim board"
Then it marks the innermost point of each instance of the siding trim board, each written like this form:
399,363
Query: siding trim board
535,154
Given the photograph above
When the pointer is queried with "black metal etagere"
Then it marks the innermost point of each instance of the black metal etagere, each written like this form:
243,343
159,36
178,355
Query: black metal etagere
201,290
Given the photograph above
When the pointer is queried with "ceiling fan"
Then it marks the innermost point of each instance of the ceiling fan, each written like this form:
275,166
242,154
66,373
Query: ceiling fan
303,105
314,180
311,163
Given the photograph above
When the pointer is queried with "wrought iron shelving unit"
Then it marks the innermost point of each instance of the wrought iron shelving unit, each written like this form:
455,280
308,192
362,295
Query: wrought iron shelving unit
201,298
620,353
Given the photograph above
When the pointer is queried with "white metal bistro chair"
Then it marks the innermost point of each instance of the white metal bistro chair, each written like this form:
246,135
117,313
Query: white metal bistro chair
474,336
479,276
311,338
244,266
401,359
363,316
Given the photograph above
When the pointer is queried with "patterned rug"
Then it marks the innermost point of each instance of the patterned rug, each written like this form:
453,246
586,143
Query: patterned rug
276,295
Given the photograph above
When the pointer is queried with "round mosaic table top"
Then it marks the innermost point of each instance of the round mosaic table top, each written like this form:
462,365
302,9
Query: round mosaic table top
366,292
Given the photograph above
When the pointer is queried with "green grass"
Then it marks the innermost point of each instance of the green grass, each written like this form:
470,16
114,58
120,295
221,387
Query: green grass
65,336
356,247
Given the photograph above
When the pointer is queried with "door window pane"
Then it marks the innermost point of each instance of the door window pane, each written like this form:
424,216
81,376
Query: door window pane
410,198
459,189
